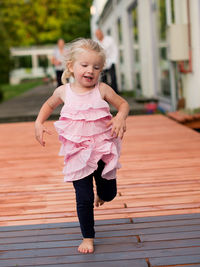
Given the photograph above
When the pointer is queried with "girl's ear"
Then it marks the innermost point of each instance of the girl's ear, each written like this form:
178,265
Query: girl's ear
70,66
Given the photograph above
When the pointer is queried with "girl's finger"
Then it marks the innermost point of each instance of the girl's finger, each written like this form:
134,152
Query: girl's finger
113,130
121,134
42,138
117,132
109,123
47,131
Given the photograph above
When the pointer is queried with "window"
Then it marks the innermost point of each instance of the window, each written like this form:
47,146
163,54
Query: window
136,51
164,78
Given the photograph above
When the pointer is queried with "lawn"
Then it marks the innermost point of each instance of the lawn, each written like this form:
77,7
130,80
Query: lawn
10,91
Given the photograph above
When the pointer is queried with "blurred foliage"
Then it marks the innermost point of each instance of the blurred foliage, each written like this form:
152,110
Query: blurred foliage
38,22
6,62
34,22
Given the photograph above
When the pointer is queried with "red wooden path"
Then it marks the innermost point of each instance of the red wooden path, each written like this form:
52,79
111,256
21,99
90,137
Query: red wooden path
160,174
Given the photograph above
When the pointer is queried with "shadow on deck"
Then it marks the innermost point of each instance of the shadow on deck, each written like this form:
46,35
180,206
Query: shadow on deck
138,242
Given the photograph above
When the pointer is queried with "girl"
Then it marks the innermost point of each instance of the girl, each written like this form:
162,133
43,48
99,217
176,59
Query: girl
89,135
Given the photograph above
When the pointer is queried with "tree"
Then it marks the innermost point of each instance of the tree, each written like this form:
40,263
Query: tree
34,22
6,62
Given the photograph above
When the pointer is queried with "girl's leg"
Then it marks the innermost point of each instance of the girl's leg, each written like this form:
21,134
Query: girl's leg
85,204
106,189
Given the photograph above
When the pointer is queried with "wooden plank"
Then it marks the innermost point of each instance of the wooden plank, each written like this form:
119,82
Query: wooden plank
63,237
59,225
165,244
139,252
63,234
101,257
113,263
103,245
188,265
68,243
109,212
69,259
167,261
155,162
64,251
170,236
160,227
167,223
167,218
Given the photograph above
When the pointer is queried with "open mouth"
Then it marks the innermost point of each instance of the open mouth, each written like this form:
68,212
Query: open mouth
88,78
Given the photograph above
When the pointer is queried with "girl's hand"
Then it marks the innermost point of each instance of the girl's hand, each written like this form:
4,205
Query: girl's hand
39,133
118,126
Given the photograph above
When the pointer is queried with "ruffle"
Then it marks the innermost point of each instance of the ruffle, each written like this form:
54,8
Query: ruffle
86,138
85,106
86,115
81,164
71,130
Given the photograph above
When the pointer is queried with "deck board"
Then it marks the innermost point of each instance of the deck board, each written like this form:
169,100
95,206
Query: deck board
123,243
159,176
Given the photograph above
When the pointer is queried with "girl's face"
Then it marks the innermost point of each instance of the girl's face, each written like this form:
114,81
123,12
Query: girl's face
87,68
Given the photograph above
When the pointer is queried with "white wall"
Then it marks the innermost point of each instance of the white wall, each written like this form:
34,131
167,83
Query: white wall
97,7
146,48
120,10
191,81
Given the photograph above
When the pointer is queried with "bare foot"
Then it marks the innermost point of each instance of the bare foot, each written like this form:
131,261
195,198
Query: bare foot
87,245
98,201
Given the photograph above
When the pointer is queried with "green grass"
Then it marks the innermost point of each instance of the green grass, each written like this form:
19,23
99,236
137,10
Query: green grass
128,93
10,91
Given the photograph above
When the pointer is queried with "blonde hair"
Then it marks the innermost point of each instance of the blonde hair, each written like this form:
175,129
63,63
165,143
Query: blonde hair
77,46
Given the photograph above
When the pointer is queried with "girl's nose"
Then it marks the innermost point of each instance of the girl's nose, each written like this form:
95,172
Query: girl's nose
90,69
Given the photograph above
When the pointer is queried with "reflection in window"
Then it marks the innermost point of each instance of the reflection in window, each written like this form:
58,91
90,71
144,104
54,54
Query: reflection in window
135,24
119,28
108,32
122,81
136,51
121,57
164,81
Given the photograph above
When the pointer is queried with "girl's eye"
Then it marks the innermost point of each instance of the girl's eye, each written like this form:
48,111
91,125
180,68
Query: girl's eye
96,68
84,65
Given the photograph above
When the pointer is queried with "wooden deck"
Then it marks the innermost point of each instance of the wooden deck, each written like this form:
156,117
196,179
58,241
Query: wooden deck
160,174
140,242
189,120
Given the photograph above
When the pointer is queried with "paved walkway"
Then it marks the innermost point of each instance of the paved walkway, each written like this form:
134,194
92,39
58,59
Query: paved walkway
26,106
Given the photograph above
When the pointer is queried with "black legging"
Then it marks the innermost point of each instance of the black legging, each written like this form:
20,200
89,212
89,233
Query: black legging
112,73
58,77
106,190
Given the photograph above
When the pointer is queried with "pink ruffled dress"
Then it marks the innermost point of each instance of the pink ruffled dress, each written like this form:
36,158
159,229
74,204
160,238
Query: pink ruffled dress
85,137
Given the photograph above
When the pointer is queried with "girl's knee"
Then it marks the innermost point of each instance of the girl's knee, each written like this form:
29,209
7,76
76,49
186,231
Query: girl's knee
109,197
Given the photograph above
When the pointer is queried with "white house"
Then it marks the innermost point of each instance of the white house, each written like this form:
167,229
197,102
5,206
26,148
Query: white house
34,53
159,47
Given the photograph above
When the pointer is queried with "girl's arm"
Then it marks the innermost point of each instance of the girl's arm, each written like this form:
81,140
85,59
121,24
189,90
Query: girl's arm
119,121
45,111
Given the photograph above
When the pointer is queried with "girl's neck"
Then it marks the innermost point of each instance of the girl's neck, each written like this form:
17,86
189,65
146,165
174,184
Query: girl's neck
78,88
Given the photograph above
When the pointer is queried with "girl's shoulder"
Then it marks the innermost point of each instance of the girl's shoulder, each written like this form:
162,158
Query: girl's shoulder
60,92
104,89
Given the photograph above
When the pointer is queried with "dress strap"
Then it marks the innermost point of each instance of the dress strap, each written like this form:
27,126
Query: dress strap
67,92
97,88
